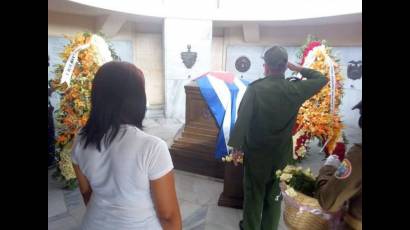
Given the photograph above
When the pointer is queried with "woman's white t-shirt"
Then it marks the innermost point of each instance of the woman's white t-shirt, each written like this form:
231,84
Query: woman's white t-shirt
119,177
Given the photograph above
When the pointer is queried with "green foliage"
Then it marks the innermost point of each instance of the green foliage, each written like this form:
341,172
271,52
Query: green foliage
303,183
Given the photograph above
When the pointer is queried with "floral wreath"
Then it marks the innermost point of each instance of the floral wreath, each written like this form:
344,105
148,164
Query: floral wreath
73,82
319,116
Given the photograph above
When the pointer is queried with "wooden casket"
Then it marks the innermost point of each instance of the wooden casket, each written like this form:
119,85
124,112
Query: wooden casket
194,145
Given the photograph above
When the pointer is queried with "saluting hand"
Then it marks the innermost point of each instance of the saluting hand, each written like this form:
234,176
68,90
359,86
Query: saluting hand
294,67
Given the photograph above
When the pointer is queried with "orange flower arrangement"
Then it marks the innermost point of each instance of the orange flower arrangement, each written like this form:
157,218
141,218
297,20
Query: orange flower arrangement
74,100
315,118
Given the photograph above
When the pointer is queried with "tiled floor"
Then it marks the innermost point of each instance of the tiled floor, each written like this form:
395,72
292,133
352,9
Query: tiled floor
197,195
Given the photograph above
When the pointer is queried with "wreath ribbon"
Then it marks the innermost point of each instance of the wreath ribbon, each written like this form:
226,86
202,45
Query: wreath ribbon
103,53
309,59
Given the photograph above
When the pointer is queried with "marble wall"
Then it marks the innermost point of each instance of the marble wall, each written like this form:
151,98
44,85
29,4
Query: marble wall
352,88
217,60
178,33
69,24
145,50
142,48
159,56
56,46
353,93
254,53
124,49
149,57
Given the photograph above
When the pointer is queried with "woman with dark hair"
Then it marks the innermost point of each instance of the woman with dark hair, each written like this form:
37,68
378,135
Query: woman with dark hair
125,175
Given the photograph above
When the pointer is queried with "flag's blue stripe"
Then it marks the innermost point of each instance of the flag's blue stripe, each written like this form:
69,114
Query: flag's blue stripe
234,93
217,110
211,98
245,82
221,149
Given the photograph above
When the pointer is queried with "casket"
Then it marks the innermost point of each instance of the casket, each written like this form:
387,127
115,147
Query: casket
194,145
194,148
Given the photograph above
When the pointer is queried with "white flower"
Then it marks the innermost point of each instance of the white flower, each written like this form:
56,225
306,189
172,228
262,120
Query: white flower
309,173
104,54
65,164
278,173
291,192
285,177
301,151
289,169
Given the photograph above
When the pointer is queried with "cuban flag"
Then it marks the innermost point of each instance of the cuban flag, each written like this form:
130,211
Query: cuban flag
223,93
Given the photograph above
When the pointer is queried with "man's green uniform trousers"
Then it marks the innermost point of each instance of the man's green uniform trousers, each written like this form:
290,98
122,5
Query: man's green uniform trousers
263,131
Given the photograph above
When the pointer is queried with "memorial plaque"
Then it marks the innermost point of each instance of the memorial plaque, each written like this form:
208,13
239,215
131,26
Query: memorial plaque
242,64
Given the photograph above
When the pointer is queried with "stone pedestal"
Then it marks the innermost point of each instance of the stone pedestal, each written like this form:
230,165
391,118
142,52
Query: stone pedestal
232,195
194,145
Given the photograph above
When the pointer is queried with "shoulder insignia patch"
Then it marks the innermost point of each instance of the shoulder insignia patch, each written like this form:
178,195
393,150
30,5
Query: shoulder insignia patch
344,170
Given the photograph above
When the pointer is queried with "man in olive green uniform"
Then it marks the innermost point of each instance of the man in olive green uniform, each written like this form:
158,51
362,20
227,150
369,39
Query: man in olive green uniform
263,132
341,182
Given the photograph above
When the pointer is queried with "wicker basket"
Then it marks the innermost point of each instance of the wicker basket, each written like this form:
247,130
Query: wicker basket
302,220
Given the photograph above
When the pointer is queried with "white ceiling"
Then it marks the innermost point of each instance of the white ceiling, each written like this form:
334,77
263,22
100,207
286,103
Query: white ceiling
231,10
64,6
340,19
69,7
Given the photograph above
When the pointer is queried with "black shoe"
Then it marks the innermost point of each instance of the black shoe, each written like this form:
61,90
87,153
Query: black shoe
241,225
